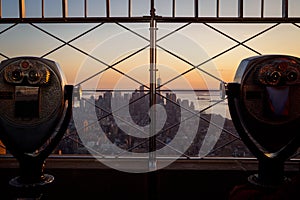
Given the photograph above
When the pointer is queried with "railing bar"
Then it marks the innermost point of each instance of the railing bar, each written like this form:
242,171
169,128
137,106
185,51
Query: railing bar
174,149
262,8
75,38
196,8
129,8
142,142
10,27
22,9
43,8
296,25
145,140
109,113
189,63
128,29
108,8
57,38
247,40
114,115
197,114
218,8
65,8
86,32
260,33
1,54
241,9
133,147
224,145
231,38
210,59
174,31
3,31
112,67
85,9
163,90
159,19
167,145
285,8
96,59
127,57
85,146
173,8
0,9
223,129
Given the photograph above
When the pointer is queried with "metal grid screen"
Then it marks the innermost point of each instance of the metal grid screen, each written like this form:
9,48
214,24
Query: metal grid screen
61,30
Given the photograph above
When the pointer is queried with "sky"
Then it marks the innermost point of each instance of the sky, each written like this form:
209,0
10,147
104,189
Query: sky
110,43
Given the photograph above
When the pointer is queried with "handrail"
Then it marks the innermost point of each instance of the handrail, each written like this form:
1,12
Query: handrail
197,17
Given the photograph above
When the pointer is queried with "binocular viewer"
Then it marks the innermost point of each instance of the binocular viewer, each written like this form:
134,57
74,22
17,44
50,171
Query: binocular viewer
264,103
36,107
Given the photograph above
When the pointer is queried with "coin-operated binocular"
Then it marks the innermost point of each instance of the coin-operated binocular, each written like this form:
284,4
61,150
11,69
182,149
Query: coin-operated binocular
36,107
264,103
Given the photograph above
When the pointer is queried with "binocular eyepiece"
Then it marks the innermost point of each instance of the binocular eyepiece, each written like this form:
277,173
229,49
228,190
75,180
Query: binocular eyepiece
264,103
278,72
36,107
33,72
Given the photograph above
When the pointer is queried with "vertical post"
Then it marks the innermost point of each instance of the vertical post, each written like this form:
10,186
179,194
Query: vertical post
241,9
129,8
173,8
107,8
152,138
196,5
285,8
262,8
0,9
152,176
85,8
218,8
22,9
65,8
271,172
43,8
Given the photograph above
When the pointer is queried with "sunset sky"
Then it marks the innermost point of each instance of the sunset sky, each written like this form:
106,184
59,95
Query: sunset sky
110,43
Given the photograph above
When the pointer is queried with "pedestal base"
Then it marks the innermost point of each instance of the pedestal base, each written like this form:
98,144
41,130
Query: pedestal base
46,179
254,179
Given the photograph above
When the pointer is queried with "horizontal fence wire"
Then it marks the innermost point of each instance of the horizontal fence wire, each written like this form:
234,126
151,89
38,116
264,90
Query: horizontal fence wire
194,15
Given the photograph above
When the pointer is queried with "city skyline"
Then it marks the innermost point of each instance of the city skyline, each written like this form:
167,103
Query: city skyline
112,126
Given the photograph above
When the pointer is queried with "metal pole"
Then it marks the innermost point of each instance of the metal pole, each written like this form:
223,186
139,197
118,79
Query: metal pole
107,8
152,163
196,5
173,8
0,9
152,138
129,8
285,8
65,8
241,9
22,9
85,8
262,8
43,9
218,8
